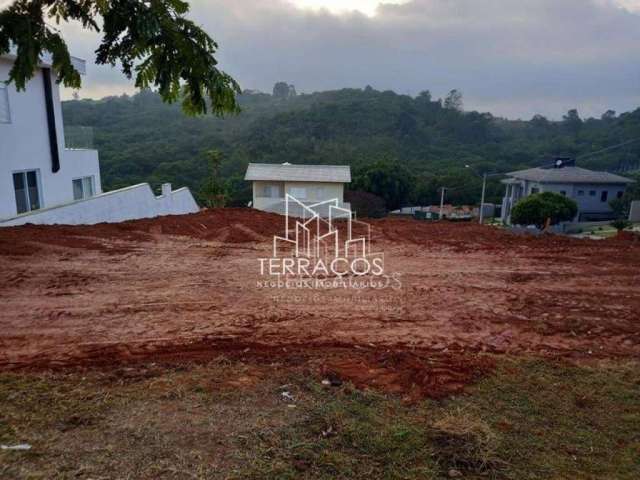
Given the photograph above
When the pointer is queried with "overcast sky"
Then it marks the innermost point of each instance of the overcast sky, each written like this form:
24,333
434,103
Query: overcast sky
513,58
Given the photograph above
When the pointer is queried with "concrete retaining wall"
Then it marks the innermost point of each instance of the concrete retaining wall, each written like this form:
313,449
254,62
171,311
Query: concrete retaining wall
137,201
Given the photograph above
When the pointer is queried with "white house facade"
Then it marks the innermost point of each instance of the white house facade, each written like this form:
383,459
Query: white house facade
309,184
591,190
40,178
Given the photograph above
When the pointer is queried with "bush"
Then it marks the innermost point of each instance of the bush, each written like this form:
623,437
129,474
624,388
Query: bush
536,209
620,224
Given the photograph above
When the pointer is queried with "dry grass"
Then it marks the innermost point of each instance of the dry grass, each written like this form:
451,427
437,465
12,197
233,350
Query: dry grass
465,442
227,420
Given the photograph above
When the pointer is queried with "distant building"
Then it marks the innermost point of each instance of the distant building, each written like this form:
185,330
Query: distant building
309,184
452,212
44,179
591,190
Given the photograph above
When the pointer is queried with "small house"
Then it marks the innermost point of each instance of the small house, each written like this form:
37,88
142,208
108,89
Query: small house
308,184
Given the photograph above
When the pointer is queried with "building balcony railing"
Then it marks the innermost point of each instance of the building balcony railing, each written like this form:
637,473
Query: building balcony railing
78,138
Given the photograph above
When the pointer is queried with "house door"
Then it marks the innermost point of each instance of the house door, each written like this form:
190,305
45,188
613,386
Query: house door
27,191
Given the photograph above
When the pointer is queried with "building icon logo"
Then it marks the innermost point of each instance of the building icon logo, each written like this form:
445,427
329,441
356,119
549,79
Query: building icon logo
322,240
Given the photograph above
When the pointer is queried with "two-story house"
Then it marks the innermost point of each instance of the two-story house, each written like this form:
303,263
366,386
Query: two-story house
591,190
42,181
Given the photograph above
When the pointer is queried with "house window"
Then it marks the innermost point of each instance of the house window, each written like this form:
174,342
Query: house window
563,193
83,188
581,193
592,193
534,190
604,195
272,191
5,112
25,186
298,192
620,194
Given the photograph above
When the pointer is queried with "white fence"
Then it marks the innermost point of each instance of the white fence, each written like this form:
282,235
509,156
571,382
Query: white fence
137,201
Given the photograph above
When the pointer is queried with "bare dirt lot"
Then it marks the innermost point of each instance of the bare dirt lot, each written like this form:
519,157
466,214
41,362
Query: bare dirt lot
182,288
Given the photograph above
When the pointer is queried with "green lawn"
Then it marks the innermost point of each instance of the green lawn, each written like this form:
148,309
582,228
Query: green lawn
529,419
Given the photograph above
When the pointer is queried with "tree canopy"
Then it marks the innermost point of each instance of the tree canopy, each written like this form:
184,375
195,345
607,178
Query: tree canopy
536,209
150,39
141,139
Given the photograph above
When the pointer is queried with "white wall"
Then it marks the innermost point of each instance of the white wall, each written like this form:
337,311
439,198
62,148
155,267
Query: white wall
24,145
587,203
330,190
137,201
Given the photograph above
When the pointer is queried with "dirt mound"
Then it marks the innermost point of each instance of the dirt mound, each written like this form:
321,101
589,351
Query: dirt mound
244,225
229,225
413,375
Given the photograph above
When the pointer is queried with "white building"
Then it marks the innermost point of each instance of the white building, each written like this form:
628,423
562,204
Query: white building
42,181
309,184
592,191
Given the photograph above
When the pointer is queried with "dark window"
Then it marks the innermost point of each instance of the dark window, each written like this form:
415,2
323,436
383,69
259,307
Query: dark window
604,195
25,186
82,188
581,193
620,194
592,193
21,192
534,190
562,192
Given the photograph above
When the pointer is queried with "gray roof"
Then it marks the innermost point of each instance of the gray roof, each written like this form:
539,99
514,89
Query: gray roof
286,172
568,175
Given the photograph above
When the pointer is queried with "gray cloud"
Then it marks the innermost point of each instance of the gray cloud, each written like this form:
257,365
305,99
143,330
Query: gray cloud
511,58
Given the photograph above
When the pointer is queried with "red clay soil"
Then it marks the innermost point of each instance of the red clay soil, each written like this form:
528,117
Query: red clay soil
188,288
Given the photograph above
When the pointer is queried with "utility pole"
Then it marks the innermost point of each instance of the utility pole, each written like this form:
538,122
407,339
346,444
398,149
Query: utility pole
441,201
484,187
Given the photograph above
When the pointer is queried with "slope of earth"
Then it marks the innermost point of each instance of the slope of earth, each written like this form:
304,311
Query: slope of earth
190,287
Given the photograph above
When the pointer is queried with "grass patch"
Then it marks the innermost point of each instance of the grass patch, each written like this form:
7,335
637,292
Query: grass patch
530,419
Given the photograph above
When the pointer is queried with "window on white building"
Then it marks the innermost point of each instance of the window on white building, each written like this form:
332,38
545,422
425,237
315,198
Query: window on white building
581,193
604,195
83,188
27,191
298,192
272,191
5,112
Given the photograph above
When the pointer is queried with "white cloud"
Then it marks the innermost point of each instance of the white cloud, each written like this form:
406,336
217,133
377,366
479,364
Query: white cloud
510,58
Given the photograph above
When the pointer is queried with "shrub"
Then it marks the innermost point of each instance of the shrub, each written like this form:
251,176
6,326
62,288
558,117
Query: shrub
536,209
620,224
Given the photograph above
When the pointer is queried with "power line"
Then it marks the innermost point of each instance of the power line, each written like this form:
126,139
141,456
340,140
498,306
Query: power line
607,148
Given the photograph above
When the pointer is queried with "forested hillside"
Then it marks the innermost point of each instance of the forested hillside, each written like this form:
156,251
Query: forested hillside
400,147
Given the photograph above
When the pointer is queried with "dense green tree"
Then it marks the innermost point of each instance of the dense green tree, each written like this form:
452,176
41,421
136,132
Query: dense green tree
386,179
283,91
151,39
453,101
572,122
540,208
141,139
212,192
